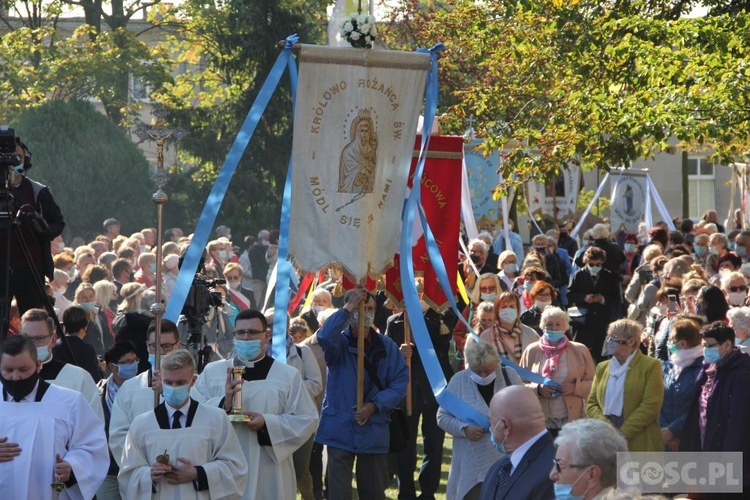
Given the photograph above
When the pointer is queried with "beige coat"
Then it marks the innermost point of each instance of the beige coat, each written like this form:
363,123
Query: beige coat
580,372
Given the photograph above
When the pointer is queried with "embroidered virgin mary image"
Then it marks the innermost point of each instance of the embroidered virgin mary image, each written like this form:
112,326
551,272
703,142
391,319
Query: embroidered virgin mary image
359,156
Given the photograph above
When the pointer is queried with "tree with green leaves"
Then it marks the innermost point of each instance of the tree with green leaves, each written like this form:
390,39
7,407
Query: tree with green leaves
92,167
230,47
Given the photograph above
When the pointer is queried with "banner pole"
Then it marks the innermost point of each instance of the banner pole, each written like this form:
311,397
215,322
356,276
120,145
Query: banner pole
361,354
407,340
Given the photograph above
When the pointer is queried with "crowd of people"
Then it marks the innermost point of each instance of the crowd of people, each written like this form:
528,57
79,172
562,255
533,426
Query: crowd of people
636,342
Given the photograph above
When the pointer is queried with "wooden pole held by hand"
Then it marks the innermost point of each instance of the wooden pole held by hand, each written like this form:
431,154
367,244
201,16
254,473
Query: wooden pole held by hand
361,355
407,340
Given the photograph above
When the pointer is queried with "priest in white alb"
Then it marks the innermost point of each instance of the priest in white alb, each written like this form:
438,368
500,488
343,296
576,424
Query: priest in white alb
48,435
281,413
136,395
181,449
39,326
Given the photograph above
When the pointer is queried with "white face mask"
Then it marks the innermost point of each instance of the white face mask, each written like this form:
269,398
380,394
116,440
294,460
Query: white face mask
510,268
541,304
508,315
483,380
736,298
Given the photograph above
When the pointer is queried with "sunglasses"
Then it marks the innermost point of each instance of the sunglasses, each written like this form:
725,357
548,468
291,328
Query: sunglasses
617,341
741,288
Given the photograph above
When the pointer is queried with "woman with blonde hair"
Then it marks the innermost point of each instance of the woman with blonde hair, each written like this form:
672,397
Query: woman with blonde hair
628,389
566,362
105,293
486,288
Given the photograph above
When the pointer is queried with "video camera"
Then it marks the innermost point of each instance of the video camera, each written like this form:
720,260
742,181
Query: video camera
9,156
200,298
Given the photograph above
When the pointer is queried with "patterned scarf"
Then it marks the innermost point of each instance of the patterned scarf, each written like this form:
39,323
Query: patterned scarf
553,353
112,389
513,335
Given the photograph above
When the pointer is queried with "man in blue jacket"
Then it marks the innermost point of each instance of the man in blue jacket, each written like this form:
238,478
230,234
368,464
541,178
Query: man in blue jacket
361,433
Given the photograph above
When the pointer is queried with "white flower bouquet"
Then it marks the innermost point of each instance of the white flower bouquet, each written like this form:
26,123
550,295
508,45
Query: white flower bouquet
359,30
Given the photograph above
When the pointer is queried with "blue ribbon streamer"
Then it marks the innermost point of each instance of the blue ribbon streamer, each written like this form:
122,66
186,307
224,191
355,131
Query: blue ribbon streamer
284,267
216,197
446,399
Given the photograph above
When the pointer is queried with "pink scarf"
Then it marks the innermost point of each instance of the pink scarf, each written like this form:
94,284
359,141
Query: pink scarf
553,353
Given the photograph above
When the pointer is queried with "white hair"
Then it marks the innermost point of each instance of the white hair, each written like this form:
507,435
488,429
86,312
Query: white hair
600,231
739,317
594,442
554,312
480,353
476,242
729,277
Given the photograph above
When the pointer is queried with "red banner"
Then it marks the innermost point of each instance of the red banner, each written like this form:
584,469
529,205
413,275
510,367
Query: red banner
441,200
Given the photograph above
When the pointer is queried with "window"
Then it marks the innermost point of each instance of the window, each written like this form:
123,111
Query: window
139,89
701,179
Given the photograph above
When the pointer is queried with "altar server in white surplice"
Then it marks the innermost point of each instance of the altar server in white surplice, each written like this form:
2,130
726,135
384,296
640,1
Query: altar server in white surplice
48,433
282,415
204,459
136,395
37,324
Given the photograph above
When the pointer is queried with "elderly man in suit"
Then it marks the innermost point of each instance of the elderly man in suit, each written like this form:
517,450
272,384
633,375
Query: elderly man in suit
517,428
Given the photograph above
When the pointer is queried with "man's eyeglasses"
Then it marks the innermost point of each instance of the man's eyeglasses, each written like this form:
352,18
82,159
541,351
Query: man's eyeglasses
240,334
40,340
740,288
707,345
617,341
167,346
559,466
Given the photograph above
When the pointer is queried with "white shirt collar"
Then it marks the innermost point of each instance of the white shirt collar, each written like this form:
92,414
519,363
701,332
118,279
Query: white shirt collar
518,453
251,364
184,409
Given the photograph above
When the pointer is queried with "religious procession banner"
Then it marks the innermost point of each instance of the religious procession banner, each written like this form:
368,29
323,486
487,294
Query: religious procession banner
556,201
629,200
483,177
354,127
442,206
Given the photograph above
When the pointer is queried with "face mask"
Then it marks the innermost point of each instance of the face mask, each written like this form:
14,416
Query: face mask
541,250
553,336
672,348
234,285
527,286
152,267
223,254
127,371
563,491
369,319
144,249
88,306
741,251
700,251
510,268
595,269
265,243
247,349
483,380
42,352
19,389
475,258
732,246
611,348
152,359
629,247
736,298
498,446
175,396
711,354
541,304
488,296
714,251
508,315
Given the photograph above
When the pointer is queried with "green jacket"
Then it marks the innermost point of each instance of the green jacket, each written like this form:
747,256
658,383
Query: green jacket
644,393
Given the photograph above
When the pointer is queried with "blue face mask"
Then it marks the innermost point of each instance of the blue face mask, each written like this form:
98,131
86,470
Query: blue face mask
223,254
563,491
153,267
732,246
152,360
739,341
527,286
498,446
88,306
700,251
175,396
711,354
672,348
127,371
553,336
630,247
741,251
247,349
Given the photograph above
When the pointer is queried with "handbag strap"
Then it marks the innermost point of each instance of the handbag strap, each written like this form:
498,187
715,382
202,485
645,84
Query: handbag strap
373,375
